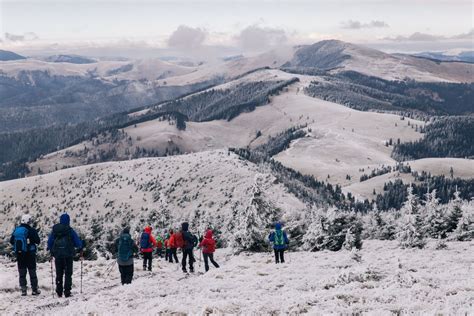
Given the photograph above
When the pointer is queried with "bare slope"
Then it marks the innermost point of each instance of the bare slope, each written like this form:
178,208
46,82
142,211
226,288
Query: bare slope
140,191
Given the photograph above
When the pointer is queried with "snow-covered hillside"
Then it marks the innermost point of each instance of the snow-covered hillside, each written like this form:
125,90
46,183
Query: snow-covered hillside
387,281
214,183
339,56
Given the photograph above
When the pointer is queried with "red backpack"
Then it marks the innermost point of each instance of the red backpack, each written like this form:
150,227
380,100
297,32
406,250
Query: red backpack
178,240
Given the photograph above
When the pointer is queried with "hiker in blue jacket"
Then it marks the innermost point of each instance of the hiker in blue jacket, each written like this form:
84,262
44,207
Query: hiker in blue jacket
61,242
125,248
280,242
24,240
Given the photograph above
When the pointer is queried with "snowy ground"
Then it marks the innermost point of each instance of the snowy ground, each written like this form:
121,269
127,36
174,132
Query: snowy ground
388,280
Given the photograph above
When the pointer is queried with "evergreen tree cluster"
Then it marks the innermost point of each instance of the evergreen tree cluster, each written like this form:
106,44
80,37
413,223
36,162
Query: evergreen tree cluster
445,137
364,93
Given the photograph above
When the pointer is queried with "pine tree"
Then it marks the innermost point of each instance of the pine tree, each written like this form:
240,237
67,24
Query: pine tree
316,232
454,211
435,219
410,230
465,229
250,231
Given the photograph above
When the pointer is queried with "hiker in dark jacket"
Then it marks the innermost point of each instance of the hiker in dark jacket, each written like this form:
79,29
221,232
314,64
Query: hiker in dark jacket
280,242
61,242
24,240
125,248
190,241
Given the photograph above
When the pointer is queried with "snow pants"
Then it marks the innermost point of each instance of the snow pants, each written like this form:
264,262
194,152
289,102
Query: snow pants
207,257
27,264
147,259
279,255
126,274
63,272
188,253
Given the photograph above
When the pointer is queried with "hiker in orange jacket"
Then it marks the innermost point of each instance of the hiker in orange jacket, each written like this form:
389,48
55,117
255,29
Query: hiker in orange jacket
175,242
147,243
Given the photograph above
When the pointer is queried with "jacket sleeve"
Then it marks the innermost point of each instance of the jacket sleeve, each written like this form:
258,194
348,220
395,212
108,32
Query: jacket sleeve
271,237
33,236
153,240
76,240
285,237
116,243
50,241
203,243
12,240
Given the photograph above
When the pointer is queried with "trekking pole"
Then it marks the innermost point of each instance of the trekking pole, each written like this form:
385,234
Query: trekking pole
52,279
200,255
82,260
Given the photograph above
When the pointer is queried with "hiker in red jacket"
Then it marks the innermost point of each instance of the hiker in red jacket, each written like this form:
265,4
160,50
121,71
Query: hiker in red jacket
208,247
175,242
147,242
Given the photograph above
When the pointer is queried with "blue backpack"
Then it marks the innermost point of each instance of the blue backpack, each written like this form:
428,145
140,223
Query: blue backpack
145,241
21,244
125,247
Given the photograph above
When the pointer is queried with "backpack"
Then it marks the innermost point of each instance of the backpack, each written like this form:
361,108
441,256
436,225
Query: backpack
279,238
63,246
125,250
145,241
178,240
21,244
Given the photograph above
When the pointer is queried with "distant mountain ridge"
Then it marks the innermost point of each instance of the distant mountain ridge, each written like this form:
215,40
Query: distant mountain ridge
6,55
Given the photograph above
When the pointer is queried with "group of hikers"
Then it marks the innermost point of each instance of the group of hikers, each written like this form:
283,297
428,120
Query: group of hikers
64,243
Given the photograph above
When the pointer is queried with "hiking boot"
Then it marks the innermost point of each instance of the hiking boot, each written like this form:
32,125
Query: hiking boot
185,271
35,292
23,292
191,270
60,294
67,294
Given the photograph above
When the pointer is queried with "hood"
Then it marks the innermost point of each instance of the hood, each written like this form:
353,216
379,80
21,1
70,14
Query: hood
147,229
64,219
126,230
208,234
278,226
185,226
170,232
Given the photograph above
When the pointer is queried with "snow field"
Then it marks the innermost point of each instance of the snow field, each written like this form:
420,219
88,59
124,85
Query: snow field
387,281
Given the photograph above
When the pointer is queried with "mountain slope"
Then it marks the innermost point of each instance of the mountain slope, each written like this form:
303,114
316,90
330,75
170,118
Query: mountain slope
216,183
7,56
336,56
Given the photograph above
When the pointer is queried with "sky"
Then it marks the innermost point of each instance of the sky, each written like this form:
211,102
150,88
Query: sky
232,26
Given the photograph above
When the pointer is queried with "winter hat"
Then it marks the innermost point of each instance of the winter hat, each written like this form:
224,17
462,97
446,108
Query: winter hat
148,229
126,230
208,234
64,219
25,219
185,226
278,226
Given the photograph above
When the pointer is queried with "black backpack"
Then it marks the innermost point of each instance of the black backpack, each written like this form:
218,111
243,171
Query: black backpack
63,246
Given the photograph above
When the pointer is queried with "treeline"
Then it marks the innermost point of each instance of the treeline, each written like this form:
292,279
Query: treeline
216,104
364,93
395,193
22,147
446,137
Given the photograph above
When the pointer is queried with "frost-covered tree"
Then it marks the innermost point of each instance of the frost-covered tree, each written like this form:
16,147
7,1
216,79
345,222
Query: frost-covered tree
316,232
465,229
435,218
454,211
252,222
410,228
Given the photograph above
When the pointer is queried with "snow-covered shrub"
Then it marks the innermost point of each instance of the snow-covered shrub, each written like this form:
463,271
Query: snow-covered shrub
329,231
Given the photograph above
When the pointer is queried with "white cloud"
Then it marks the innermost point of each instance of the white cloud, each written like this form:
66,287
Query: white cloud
29,36
256,38
185,37
355,25
424,37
